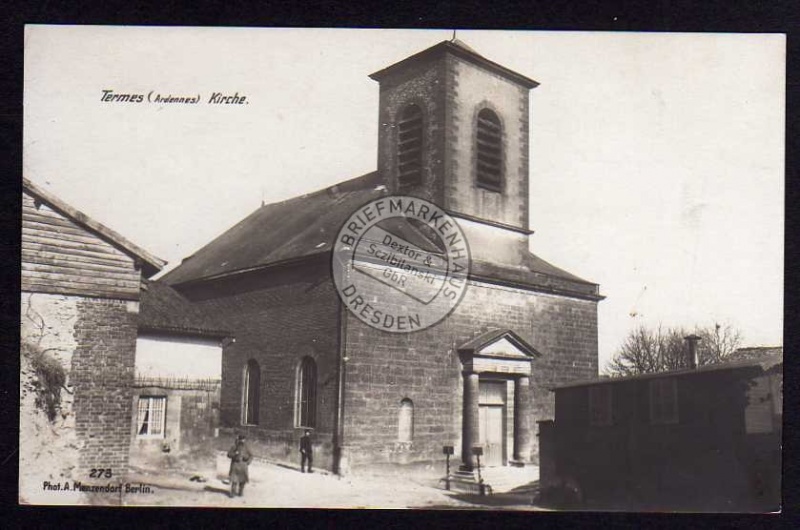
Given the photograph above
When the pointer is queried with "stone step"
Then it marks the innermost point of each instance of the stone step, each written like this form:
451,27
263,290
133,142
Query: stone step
465,485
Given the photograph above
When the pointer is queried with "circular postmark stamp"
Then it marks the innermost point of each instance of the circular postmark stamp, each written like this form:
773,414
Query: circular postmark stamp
400,263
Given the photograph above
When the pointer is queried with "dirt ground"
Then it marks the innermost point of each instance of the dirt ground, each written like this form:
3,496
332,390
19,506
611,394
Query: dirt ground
276,486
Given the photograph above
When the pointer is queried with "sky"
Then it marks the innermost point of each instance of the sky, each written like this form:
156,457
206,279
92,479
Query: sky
656,159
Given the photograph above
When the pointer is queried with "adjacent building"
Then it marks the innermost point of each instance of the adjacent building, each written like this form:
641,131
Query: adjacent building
177,379
80,289
706,438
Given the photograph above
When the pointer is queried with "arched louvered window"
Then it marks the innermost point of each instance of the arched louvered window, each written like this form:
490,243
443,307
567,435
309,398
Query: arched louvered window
405,421
305,414
409,146
489,151
251,393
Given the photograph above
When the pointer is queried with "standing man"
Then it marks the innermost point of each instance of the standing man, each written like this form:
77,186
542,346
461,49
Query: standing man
240,460
306,452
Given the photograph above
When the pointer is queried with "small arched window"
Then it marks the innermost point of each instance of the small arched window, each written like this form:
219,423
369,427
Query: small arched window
251,393
409,146
405,422
489,151
305,410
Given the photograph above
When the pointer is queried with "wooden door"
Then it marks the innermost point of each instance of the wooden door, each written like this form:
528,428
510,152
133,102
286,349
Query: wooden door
491,434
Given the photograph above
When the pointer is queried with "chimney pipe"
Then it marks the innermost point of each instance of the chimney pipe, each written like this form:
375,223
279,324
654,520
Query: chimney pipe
692,341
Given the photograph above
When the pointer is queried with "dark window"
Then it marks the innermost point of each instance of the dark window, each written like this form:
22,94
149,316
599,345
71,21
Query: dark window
409,146
306,394
664,401
251,391
489,151
600,405
405,422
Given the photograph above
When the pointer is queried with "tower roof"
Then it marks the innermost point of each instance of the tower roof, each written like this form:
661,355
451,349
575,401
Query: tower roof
461,50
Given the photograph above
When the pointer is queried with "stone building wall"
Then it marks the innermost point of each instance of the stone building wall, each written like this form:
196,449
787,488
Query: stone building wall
382,369
278,318
94,339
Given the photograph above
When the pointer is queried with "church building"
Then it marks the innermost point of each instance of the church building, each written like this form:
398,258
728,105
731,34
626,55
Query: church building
453,130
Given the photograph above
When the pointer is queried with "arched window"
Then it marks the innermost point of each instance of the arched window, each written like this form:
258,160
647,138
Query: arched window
409,146
305,414
489,151
251,393
405,421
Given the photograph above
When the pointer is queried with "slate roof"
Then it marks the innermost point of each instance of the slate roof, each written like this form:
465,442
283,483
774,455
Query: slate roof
150,263
306,226
458,48
163,309
278,232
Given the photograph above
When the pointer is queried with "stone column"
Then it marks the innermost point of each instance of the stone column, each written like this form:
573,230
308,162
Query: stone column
522,419
469,423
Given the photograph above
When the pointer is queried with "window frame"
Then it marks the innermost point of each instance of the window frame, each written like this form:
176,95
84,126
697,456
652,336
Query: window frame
663,392
405,415
248,375
305,404
150,411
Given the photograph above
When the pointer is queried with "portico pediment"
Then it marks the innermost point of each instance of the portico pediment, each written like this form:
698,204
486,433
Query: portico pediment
498,351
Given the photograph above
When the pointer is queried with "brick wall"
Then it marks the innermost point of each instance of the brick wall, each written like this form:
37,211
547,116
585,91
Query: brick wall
278,317
102,374
383,368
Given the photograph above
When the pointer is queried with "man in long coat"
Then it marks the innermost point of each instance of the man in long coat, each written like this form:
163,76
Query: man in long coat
306,452
240,460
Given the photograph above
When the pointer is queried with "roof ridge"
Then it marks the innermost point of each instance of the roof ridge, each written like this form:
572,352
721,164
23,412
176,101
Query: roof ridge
81,218
328,189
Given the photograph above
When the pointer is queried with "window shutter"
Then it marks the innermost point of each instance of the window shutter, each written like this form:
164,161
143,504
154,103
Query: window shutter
409,146
489,151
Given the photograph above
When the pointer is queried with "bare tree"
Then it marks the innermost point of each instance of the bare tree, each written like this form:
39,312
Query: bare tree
717,342
648,350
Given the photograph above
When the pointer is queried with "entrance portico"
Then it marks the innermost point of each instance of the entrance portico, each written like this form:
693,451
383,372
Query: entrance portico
488,363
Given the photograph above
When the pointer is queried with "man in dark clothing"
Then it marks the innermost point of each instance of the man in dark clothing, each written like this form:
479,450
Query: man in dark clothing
306,452
240,460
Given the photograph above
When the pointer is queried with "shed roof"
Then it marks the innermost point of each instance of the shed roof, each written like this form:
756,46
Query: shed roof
150,263
766,363
163,309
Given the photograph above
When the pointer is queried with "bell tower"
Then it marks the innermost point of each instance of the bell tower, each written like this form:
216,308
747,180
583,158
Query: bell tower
453,129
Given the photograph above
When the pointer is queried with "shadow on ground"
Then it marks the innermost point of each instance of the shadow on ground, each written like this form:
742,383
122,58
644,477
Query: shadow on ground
522,497
215,489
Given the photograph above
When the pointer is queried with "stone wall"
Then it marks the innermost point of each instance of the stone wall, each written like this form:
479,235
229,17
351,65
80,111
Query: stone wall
192,420
278,317
382,369
469,90
95,341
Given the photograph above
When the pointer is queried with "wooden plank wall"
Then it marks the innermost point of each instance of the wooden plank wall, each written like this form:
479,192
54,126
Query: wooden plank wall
59,256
